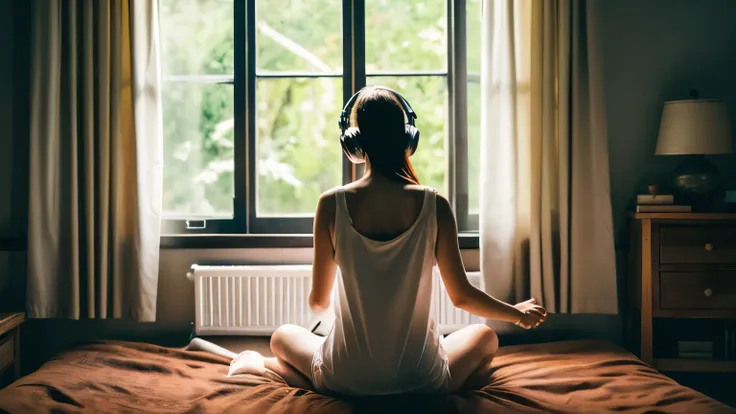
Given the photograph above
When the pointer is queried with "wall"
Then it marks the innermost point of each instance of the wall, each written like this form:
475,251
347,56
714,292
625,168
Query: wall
6,129
653,50
6,110
658,50
11,224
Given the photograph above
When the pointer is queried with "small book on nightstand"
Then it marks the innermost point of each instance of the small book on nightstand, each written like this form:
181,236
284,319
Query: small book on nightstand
671,208
659,203
655,199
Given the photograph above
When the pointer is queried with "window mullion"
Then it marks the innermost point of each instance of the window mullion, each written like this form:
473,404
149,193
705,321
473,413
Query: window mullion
458,85
451,145
353,63
347,71
247,158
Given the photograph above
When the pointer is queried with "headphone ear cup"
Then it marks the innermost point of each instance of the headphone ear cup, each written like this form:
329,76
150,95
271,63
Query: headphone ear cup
412,139
350,142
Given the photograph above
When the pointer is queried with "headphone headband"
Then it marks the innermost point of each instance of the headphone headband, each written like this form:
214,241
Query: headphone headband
345,114
350,136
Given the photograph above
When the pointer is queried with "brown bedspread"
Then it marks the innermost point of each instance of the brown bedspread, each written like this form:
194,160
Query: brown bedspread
570,377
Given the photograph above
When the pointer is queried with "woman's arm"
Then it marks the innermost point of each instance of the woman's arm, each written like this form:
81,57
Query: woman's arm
323,262
462,294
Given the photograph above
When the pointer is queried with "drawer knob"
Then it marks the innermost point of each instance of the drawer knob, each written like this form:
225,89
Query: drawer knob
708,292
709,247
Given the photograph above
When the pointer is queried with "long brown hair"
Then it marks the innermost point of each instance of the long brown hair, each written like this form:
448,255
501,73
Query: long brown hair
380,117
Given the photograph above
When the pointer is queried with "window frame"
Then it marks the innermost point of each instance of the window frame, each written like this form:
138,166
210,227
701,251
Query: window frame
183,226
245,220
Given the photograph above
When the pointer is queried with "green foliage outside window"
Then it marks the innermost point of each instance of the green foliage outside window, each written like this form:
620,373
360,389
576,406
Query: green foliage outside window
298,155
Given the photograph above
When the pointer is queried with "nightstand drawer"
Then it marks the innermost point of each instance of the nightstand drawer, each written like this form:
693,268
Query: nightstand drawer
6,352
698,290
697,244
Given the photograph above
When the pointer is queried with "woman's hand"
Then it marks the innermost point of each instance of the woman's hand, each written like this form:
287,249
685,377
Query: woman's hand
532,314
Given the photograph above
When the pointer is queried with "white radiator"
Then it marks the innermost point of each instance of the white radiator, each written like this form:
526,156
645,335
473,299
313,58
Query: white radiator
255,300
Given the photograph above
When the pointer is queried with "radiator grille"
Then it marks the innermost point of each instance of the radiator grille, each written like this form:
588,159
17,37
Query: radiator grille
445,313
255,300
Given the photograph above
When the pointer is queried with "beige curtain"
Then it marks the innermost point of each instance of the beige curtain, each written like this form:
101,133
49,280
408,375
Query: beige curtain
546,225
95,160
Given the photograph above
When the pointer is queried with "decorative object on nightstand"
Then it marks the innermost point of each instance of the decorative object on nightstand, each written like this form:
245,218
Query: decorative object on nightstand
695,128
682,267
10,343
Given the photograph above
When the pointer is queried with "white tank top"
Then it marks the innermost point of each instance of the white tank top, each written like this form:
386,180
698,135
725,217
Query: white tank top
384,340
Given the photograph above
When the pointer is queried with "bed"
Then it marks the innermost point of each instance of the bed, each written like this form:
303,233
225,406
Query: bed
562,377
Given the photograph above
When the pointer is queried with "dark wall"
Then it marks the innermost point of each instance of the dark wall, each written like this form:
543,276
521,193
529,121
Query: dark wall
14,42
6,112
655,51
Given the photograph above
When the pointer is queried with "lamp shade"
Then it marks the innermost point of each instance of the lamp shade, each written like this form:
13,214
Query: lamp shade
699,126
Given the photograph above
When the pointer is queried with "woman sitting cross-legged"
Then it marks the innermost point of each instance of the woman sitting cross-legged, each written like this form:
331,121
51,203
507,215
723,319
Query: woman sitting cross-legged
385,233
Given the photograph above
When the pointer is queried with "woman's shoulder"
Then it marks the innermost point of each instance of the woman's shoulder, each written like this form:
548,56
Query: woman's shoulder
327,203
353,187
442,204
420,188
331,192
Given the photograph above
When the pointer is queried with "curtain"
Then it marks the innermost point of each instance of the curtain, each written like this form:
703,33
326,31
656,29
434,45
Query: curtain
95,160
545,221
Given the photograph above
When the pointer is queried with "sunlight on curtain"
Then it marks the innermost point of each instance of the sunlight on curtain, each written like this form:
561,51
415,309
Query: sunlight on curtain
546,225
95,161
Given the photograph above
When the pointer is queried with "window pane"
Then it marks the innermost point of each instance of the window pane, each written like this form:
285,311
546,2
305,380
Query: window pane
196,37
473,35
198,150
428,97
299,36
406,35
299,155
474,112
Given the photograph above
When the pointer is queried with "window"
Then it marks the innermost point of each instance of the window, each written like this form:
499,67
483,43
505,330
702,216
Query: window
252,90
199,124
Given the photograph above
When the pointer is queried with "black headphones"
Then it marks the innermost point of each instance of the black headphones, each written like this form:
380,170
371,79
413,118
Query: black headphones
350,136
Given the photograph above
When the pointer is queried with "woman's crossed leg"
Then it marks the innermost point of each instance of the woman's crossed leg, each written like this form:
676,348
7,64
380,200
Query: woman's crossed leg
293,347
470,351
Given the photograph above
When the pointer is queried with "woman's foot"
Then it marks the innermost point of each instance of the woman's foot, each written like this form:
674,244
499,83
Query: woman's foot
247,362
252,362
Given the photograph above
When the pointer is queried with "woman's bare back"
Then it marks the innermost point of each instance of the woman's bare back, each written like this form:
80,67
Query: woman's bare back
383,210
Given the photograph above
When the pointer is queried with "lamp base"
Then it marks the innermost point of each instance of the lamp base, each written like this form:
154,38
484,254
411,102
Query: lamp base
696,182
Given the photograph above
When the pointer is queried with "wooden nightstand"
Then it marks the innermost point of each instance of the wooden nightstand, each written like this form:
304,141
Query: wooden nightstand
682,265
10,342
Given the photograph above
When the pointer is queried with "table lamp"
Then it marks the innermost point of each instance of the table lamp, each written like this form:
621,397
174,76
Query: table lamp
695,128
